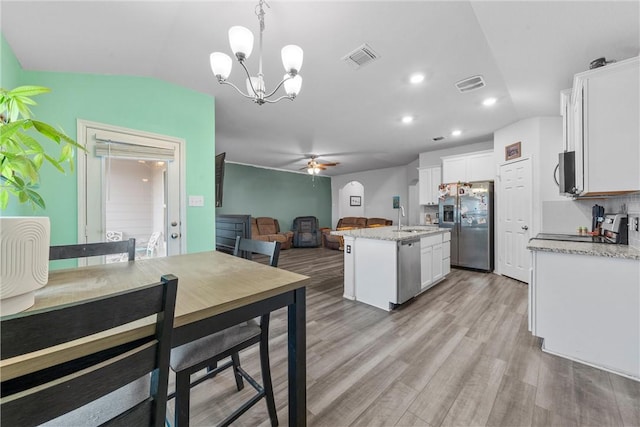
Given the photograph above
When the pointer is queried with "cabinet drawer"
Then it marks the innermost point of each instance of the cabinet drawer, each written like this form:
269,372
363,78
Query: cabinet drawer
430,240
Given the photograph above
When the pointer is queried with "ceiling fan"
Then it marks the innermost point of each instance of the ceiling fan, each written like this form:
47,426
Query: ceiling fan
314,166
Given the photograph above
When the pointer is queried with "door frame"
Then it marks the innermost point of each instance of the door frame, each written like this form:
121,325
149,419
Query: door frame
498,201
81,129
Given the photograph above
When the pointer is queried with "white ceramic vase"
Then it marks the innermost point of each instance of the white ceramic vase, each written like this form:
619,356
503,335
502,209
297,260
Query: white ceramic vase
24,261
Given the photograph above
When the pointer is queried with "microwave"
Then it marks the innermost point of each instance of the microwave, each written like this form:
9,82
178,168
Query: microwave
567,173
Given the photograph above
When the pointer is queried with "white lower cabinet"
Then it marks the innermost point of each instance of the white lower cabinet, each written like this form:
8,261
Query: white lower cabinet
434,259
426,266
586,308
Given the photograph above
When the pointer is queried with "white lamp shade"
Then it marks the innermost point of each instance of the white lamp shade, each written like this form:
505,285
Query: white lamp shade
292,85
220,64
292,58
241,40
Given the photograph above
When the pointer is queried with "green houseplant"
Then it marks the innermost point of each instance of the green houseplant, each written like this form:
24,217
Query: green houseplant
24,241
22,155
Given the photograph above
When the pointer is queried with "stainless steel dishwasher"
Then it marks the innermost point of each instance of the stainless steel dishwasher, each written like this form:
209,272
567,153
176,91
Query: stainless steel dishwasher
408,269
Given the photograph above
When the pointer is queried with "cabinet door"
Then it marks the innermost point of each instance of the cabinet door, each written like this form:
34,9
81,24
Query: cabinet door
567,122
481,167
426,268
424,186
436,180
436,263
611,131
454,170
576,114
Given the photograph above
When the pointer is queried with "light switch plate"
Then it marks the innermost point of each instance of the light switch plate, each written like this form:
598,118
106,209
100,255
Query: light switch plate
196,200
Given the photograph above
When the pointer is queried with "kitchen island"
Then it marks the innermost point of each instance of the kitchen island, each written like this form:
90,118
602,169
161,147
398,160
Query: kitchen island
384,267
584,301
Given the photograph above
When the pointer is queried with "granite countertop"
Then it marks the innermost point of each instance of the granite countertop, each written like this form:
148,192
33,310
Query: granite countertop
390,233
583,248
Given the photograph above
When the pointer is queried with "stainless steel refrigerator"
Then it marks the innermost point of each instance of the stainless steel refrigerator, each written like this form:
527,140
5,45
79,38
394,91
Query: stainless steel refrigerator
467,210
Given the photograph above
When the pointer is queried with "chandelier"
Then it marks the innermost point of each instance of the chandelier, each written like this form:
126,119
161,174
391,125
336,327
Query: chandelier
241,41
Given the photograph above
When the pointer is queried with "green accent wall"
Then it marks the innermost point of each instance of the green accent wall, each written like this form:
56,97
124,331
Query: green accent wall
144,104
277,194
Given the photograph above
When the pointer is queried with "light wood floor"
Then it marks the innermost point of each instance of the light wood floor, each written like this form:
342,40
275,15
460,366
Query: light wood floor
458,355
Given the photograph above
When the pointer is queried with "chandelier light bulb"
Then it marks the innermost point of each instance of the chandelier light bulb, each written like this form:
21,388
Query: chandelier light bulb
241,42
292,56
292,85
220,65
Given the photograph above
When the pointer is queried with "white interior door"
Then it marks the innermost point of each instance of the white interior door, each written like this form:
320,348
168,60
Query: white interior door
515,219
130,183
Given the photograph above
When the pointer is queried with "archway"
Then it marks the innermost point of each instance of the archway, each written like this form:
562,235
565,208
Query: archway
351,199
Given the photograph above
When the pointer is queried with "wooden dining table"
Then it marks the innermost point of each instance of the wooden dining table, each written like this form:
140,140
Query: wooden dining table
215,291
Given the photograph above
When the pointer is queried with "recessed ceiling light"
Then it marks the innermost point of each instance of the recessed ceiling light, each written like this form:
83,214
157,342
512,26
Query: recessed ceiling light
489,101
407,119
456,132
416,78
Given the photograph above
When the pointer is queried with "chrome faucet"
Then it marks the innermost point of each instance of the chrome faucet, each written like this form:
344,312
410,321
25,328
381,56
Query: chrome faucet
401,210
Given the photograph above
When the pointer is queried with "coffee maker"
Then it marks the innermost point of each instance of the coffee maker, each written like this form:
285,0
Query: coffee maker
615,229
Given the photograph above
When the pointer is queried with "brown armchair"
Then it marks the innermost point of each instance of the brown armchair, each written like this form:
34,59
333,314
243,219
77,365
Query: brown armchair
347,223
378,222
268,230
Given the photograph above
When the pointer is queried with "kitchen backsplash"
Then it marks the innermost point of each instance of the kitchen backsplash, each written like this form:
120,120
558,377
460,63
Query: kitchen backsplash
631,205
566,216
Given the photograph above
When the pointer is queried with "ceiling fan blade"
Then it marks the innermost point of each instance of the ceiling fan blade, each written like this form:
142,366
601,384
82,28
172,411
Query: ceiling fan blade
330,164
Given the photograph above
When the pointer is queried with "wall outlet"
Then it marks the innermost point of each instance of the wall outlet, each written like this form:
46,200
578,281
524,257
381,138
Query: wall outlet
634,223
196,200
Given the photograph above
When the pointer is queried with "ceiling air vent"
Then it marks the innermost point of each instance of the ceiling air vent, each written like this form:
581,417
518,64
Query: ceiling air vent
360,57
438,138
471,83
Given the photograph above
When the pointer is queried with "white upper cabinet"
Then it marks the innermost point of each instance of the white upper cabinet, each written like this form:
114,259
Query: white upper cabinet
478,166
606,125
429,180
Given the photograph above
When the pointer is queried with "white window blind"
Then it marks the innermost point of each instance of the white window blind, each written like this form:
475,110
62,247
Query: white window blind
105,146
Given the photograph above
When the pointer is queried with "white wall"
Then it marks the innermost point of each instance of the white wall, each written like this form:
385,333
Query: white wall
379,188
129,205
352,188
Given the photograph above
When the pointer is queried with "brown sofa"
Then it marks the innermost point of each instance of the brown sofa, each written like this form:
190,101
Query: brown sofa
268,230
347,223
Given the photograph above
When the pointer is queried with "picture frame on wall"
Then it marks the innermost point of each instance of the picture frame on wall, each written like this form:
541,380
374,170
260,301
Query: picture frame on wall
355,201
513,151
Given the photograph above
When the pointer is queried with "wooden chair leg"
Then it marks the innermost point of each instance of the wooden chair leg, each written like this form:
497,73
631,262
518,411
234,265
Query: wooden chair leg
235,358
266,371
183,389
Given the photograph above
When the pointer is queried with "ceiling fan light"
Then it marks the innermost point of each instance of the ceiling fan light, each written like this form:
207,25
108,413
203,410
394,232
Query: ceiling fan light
241,42
310,171
292,85
292,58
220,65
316,170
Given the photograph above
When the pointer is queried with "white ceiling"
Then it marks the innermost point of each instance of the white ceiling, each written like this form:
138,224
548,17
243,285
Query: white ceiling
527,51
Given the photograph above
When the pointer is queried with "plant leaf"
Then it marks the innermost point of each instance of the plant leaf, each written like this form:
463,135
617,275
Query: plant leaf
35,198
28,91
47,130
54,162
4,198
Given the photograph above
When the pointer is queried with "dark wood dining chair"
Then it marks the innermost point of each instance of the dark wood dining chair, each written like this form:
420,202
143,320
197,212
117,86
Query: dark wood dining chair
84,250
207,352
35,398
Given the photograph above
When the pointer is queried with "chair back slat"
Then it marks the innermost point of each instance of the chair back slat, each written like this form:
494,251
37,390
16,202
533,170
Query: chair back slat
84,250
75,388
41,328
271,249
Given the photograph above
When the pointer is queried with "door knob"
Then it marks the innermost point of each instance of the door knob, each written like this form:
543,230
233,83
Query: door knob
174,235
524,227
